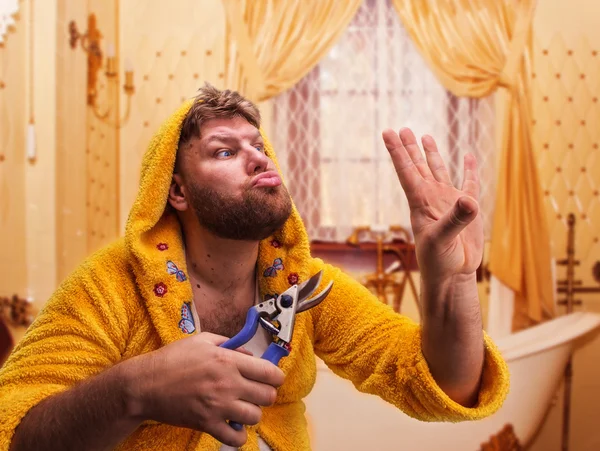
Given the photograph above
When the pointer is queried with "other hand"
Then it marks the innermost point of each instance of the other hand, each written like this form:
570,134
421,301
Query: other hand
445,220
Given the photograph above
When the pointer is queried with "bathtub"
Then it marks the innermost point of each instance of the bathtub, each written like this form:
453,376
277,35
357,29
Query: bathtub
341,418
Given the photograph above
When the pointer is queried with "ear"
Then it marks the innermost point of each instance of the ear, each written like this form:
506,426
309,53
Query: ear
178,193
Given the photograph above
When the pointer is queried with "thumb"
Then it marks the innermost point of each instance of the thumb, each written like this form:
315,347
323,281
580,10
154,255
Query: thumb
218,340
460,216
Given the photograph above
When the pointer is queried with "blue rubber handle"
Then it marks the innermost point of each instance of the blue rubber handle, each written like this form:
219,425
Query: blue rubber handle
274,353
236,426
243,337
246,333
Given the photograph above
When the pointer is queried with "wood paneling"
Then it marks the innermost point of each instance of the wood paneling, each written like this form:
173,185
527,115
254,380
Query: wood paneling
71,160
13,121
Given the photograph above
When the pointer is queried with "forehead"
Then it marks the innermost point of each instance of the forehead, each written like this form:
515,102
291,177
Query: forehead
236,128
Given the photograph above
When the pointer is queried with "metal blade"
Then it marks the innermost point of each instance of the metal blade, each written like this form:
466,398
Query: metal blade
287,313
305,289
266,324
314,301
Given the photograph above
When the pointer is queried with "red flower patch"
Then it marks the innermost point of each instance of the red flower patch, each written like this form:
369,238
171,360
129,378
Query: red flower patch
293,278
160,289
162,246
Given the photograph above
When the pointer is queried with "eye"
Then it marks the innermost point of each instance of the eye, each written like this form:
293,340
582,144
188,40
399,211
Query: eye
259,147
224,154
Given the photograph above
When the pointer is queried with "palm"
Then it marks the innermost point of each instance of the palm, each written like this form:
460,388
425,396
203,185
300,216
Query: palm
448,239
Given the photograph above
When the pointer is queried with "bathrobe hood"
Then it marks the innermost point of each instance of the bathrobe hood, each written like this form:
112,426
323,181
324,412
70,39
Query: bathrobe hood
154,240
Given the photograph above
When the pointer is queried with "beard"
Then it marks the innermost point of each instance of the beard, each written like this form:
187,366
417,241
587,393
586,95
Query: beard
253,217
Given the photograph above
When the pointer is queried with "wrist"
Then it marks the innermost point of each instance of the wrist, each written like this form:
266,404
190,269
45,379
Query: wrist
452,335
446,280
128,378
450,301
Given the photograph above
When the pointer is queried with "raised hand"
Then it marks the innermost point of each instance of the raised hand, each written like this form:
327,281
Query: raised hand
449,244
446,223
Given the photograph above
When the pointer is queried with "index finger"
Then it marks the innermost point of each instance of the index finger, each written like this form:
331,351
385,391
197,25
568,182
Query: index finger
405,167
259,370
218,340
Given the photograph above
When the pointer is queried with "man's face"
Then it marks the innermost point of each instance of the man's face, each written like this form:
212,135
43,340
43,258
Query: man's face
232,186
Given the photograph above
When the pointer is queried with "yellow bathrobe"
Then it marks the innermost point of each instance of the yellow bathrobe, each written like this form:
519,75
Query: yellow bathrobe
130,298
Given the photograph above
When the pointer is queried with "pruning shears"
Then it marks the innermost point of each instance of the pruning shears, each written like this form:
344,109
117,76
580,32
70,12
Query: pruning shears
278,315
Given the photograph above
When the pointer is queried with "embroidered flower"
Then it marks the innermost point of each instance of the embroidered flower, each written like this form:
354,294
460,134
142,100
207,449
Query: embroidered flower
160,289
293,278
276,244
162,246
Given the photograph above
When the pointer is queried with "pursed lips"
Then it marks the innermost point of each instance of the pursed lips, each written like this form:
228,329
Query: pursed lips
267,179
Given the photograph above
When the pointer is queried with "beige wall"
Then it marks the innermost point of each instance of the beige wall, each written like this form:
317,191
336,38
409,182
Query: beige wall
172,60
40,178
27,195
13,196
13,121
102,140
566,138
71,134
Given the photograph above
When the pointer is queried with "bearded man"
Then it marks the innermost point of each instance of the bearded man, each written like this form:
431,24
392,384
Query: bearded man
126,354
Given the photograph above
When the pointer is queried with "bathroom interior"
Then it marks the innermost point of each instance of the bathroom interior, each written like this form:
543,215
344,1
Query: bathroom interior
85,84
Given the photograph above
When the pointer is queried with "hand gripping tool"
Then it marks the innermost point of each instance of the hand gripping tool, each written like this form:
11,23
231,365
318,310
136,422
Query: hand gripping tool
278,316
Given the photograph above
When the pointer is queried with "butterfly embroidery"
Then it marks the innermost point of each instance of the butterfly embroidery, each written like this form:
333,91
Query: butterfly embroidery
172,269
271,271
186,324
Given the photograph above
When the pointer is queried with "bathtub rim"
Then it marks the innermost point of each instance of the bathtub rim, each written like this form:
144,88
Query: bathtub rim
543,337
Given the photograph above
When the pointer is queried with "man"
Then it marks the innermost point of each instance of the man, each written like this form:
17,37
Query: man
125,354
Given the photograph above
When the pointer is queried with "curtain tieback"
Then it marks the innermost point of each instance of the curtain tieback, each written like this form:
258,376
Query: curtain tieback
504,81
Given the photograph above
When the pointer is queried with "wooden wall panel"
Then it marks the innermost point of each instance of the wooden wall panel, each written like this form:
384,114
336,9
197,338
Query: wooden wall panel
71,161
13,120
174,50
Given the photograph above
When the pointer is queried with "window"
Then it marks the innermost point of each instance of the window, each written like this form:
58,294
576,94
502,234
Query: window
327,129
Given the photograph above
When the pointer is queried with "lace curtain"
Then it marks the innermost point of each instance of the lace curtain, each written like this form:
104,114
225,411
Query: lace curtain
8,8
327,129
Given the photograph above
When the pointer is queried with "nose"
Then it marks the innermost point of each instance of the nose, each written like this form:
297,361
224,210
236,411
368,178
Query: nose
257,161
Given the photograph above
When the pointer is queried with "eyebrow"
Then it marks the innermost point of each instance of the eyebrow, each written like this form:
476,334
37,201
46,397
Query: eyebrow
228,138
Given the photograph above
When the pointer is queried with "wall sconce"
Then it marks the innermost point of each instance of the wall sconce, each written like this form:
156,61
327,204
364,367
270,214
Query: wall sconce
90,43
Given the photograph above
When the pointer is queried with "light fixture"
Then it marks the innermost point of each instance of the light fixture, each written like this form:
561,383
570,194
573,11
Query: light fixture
90,43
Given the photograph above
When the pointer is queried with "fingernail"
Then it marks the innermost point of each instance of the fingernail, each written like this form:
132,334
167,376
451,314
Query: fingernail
464,206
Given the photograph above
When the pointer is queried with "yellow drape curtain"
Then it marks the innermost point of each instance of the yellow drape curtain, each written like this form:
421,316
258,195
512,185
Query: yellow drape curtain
474,47
272,44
